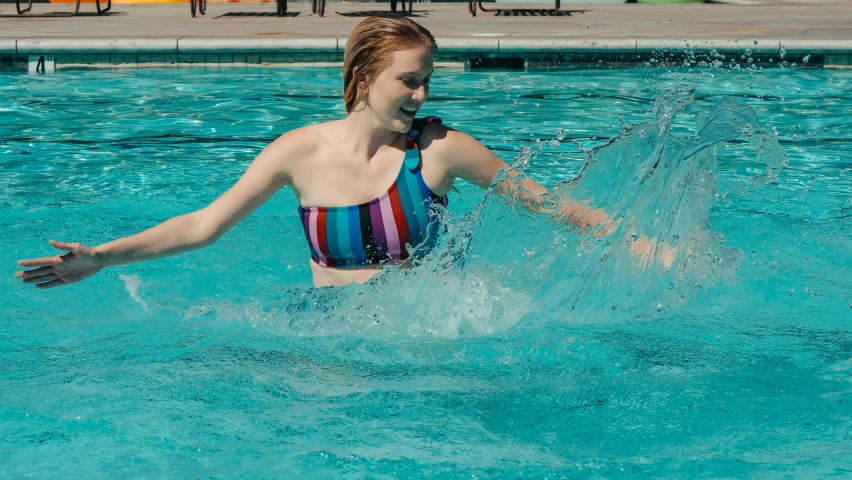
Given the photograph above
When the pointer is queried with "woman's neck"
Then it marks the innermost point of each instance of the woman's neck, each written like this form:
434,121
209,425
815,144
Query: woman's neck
365,135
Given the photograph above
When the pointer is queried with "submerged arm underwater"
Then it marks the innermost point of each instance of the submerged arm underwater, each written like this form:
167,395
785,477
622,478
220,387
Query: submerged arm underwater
537,199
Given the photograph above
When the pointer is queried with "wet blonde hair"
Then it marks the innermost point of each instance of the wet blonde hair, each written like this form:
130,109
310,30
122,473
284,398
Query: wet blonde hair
369,48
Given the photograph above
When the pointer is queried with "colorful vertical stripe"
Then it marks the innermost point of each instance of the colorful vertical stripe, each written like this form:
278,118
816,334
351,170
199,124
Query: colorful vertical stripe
382,229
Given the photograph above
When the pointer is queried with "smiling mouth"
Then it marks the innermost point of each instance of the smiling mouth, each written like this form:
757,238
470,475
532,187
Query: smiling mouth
408,111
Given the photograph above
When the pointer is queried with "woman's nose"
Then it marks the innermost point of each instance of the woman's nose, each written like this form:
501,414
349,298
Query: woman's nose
420,93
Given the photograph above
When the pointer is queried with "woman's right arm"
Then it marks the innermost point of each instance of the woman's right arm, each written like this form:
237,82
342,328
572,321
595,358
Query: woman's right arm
267,173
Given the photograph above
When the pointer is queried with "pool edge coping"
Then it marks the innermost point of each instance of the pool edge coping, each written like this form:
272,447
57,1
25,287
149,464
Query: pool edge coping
447,45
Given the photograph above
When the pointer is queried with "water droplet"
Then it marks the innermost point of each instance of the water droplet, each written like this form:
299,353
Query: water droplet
805,30
560,134
782,52
754,40
554,144
806,58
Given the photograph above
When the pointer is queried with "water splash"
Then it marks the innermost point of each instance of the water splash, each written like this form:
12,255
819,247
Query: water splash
132,284
661,186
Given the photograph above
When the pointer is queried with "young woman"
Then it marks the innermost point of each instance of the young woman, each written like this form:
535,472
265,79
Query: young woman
340,172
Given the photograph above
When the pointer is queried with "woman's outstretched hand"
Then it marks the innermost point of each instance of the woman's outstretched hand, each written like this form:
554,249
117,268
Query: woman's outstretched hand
79,263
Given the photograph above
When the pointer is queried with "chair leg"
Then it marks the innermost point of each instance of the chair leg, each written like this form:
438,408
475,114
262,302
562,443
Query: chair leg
98,6
321,7
479,2
202,7
191,7
18,6
282,7
393,5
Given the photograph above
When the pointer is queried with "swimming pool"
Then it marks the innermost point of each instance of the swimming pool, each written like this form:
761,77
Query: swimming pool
492,361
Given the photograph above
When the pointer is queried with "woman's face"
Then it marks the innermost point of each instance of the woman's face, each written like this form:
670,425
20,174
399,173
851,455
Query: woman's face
398,92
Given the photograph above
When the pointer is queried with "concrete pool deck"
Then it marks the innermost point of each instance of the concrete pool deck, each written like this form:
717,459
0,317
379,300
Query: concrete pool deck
251,33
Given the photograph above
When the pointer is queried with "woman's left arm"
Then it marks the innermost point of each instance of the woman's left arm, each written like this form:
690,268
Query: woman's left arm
470,160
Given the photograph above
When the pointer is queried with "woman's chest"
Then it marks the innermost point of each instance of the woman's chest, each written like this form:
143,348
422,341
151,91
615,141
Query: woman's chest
330,182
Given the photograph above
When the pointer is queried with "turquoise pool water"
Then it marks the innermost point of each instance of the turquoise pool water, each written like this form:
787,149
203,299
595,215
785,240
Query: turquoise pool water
539,352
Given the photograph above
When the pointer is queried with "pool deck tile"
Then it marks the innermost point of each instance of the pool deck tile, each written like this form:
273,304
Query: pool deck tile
762,46
8,45
546,45
646,45
823,46
96,45
464,44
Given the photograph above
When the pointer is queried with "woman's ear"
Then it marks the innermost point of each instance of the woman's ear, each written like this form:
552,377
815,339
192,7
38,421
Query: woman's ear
363,87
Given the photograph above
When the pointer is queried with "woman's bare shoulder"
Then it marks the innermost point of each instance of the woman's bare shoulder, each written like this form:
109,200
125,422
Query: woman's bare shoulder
298,146
298,142
442,138
434,129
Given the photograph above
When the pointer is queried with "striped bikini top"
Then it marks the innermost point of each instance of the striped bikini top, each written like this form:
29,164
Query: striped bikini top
382,229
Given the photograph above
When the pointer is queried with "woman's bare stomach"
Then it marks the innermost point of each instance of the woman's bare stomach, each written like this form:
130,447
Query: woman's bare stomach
335,277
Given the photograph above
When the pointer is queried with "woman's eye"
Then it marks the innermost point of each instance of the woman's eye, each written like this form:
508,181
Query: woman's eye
413,83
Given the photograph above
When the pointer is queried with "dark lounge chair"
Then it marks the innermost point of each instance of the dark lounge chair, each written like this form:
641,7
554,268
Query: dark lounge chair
318,6
77,9
474,4
201,7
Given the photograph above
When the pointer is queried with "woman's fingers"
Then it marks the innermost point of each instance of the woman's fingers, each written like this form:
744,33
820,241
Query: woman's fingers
50,261
62,269
609,227
41,278
51,284
34,273
40,262
67,246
